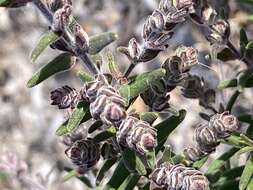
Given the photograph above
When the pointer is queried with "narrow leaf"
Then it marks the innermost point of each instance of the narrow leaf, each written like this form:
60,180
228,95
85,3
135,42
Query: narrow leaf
149,117
60,63
48,38
74,120
227,84
246,174
118,177
133,163
219,163
167,126
130,182
84,76
110,132
141,84
98,42
104,169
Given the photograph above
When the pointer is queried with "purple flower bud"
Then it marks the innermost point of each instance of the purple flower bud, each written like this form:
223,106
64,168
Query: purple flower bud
220,33
65,97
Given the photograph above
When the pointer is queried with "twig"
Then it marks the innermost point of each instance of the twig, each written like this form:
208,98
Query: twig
84,57
129,70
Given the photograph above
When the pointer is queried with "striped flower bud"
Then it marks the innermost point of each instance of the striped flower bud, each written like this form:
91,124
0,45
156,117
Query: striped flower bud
90,89
61,18
137,135
179,10
220,33
179,177
133,51
65,97
188,55
84,153
165,6
153,26
224,124
206,138
194,153
81,39
108,106
193,87
54,5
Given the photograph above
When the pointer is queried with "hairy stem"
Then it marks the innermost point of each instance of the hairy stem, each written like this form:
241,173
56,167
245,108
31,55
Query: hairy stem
129,70
84,57
198,20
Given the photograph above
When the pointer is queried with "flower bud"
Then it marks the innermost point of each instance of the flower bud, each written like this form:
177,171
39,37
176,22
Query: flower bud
113,114
90,89
189,57
224,124
84,153
137,135
65,97
179,177
206,138
153,26
194,153
81,39
220,33
61,19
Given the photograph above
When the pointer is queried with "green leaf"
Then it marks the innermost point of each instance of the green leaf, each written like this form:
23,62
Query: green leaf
246,174
244,150
228,84
74,120
149,117
130,182
167,126
246,118
151,159
133,163
60,63
226,55
48,38
232,100
83,179
118,177
243,41
167,154
104,169
250,186
98,42
216,166
12,3
198,164
84,76
141,84
249,46
108,133
96,125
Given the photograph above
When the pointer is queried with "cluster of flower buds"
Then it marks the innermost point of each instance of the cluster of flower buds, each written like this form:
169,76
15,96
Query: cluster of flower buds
179,177
158,29
177,71
105,102
65,97
61,18
195,87
207,137
78,38
220,33
84,153
137,135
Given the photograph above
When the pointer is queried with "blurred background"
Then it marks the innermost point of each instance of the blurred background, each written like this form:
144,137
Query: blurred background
28,121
